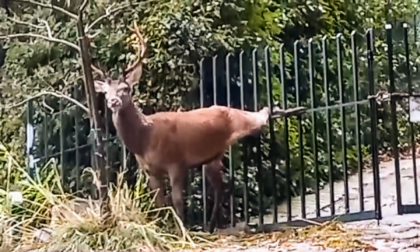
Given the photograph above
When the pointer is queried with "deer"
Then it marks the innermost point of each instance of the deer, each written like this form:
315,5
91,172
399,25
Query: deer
169,144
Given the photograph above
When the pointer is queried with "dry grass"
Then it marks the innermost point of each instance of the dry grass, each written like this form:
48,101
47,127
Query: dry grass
130,224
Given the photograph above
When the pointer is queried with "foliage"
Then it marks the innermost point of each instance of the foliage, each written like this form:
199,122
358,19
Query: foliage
180,33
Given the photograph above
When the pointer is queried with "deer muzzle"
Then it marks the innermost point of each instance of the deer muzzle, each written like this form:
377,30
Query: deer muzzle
114,103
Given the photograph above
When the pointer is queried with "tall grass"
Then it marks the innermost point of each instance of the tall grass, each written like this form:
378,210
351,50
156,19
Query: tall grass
74,224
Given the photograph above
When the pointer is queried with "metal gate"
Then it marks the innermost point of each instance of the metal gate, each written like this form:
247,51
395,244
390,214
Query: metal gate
395,99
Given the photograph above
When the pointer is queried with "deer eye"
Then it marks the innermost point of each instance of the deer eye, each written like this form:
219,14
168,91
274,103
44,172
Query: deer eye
125,89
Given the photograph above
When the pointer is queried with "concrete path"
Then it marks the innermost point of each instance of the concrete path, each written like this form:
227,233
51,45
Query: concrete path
393,234
388,193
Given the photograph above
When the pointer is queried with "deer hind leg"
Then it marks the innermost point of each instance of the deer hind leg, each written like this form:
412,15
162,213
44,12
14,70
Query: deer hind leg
246,123
214,175
178,178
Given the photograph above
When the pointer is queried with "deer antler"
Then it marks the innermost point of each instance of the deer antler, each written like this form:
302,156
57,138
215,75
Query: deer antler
98,70
140,52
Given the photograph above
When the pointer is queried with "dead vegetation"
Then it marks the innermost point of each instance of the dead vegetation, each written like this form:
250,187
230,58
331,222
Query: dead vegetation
50,220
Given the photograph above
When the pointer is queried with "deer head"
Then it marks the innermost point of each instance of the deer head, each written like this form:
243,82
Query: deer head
118,91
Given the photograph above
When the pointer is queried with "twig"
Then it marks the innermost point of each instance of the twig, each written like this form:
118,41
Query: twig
311,222
83,6
46,26
33,35
108,12
58,95
24,23
65,12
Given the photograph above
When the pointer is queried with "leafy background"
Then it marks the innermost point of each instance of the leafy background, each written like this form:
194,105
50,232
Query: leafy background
180,34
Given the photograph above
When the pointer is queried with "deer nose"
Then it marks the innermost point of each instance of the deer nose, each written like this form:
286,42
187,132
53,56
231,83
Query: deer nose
113,102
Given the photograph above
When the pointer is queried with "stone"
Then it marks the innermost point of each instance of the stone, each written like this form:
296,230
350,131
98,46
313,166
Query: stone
408,250
400,229
399,245
406,235
42,235
386,250
375,231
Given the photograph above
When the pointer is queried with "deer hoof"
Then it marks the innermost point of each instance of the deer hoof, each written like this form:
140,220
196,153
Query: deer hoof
212,225
168,200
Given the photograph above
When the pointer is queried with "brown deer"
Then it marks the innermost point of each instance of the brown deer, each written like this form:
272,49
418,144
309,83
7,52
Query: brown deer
171,143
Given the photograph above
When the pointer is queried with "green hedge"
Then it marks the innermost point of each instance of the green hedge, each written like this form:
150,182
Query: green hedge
180,34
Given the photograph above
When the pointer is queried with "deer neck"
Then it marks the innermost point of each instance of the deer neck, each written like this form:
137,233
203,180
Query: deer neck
133,128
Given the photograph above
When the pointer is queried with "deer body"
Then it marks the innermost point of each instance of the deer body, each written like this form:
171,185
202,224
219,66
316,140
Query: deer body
183,138
171,143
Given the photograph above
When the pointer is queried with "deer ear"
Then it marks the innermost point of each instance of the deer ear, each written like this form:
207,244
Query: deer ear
133,77
100,86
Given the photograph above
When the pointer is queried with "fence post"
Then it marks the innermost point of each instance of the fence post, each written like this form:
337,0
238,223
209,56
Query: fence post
373,110
30,139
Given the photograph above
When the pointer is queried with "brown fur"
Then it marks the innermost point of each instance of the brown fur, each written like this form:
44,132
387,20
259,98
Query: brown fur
171,143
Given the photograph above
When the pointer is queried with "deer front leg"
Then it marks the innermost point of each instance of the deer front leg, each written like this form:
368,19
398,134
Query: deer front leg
178,179
214,175
156,182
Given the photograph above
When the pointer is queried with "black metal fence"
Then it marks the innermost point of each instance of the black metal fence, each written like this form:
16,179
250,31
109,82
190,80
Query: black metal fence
292,171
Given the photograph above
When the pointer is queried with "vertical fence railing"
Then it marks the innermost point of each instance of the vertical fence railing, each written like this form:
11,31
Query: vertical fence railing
232,209
292,91
411,93
286,134
355,75
374,121
269,86
314,125
298,76
328,122
332,86
245,144
203,168
395,100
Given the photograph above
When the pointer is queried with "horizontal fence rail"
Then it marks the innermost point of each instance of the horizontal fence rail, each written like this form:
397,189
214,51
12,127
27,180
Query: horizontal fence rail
291,172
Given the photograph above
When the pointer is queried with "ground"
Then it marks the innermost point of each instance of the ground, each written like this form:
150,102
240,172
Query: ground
394,232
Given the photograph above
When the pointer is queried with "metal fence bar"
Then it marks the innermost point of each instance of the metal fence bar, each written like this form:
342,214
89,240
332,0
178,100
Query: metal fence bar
244,143
355,68
76,140
286,134
214,80
107,140
45,135
412,128
30,138
214,67
394,130
311,57
257,143
296,55
269,85
203,169
328,123
62,142
374,121
231,168
343,121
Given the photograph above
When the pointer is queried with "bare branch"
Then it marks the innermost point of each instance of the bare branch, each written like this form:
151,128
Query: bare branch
56,94
65,12
33,35
108,12
47,26
83,6
25,23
